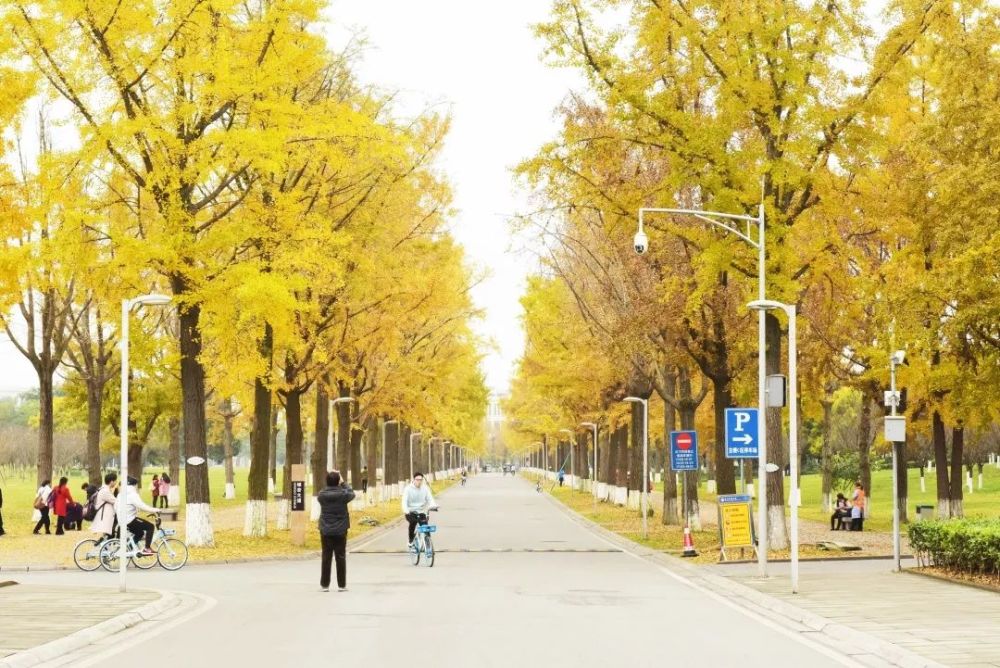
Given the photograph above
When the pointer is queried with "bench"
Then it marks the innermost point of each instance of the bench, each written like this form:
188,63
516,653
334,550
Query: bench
851,524
169,515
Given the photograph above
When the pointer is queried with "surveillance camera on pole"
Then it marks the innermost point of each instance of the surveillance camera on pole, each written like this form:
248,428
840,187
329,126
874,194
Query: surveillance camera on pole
640,242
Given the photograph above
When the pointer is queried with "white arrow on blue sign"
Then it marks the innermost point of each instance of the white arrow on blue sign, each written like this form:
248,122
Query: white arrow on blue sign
741,433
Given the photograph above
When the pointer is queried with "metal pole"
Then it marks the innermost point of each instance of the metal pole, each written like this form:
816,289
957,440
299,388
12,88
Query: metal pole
895,477
793,440
595,468
761,406
381,495
645,467
123,433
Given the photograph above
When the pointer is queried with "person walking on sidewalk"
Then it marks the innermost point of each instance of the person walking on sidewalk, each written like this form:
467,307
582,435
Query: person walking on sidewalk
164,490
42,506
104,506
155,487
334,521
61,499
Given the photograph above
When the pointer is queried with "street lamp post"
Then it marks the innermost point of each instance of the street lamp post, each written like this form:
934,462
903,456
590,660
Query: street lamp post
572,460
895,360
760,306
729,222
127,305
645,460
413,436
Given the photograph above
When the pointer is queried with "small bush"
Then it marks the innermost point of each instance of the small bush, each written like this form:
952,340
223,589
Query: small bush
968,546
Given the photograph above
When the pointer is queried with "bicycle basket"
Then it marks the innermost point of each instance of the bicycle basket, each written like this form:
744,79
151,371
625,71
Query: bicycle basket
427,528
169,532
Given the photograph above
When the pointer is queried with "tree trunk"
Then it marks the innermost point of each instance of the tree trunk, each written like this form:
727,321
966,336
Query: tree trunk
725,476
403,454
391,454
957,454
356,461
272,447
691,508
371,448
777,532
826,451
320,462
255,518
198,525
95,408
865,444
227,448
174,462
635,450
293,452
343,448
941,466
902,481
135,459
669,424
45,426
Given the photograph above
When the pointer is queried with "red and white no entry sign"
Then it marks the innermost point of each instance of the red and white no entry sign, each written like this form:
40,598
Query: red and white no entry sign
684,441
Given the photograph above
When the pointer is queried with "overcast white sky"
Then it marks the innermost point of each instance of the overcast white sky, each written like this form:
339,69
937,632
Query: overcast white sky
480,61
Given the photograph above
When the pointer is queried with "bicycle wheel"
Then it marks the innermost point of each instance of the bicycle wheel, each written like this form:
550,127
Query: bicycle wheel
428,552
172,554
144,561
109,555
415,550
87,555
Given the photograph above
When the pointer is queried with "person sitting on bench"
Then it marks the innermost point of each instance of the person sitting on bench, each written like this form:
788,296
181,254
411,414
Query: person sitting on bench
841,511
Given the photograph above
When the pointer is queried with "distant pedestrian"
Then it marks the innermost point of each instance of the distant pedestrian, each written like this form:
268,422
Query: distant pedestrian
155,485
2,532
364,480
61,499
858,507
562,476
164,490
334,521
42,506
840,512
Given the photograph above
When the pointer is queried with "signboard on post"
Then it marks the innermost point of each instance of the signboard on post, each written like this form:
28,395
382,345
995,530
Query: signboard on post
741,433
684,450
735,524
297,521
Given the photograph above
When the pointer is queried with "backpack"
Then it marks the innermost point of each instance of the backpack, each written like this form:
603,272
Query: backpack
90,510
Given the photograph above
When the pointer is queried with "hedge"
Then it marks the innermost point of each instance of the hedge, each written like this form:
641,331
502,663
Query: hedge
968,546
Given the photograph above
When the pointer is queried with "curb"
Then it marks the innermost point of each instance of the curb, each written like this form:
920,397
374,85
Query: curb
74,641
752,600
941,578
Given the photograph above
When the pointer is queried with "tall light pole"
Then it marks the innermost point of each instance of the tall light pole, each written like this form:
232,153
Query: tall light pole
127,305
385,478
330,455
645,460
730,223
593,428
760,306
414,435
895,360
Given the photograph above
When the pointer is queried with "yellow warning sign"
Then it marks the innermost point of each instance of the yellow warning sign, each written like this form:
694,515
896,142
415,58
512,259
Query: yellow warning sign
735,523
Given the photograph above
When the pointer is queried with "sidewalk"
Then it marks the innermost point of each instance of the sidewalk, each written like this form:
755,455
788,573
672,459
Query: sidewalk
32,616
953,624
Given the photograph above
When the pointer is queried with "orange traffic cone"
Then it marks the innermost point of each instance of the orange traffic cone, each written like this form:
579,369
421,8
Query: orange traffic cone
689,550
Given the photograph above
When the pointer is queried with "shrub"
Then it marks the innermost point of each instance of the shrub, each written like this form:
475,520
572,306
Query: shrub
968,546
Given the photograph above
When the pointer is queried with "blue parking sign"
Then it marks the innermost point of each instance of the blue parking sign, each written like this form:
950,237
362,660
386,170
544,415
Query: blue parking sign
741,433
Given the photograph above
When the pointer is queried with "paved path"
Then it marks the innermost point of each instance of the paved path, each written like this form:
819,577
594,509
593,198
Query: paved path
34,614
561,597
952,624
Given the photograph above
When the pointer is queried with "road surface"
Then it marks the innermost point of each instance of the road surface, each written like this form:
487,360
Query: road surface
517,582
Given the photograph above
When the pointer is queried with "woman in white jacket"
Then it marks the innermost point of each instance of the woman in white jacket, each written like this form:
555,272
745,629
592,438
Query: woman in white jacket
104,505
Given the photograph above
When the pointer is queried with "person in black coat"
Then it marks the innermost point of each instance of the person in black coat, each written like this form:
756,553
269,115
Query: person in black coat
334,521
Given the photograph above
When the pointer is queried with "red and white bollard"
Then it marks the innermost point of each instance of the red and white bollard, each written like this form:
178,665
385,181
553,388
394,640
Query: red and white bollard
689,550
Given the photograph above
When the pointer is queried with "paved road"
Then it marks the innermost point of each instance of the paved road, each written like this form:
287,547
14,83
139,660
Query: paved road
561,597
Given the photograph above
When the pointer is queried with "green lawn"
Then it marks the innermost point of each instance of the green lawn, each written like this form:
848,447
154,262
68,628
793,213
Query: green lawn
985,502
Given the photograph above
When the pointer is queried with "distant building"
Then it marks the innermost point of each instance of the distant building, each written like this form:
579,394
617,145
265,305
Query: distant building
494,412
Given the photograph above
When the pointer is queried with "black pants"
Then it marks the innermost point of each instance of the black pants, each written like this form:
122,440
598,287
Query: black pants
162,498
2,532
414,519
364,486
140,528
837,514
333,547
44,521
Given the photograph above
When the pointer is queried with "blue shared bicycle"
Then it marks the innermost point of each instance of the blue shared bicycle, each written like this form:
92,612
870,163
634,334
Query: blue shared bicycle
422,543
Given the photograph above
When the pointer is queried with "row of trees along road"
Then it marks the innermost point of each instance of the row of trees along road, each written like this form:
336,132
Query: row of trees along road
220,151
869,139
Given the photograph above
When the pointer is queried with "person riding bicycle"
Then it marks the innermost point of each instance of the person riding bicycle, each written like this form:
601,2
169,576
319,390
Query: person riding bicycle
417,500
465,476
137,526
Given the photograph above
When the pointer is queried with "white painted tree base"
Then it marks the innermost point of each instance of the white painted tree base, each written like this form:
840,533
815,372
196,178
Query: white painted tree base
198,525
255,519
174,496
634,499
923,485
281,519
695,519
621,496
602,491
777,532
230,492
314,509
270,485
710,487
